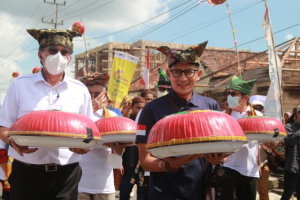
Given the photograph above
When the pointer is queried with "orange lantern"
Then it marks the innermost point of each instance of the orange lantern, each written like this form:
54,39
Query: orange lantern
78,27
15,74
36,70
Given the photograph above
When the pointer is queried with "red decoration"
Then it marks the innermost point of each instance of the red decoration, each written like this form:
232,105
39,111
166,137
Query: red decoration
55,123
262,128
15,74
36,70
78,27
117,129
194,127
216,2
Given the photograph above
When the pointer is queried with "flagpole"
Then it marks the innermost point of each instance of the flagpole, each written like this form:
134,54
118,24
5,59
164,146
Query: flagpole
277,70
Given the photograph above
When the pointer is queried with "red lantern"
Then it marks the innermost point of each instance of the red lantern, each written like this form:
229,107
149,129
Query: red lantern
263,129
15,74
78,27
195,132
216,2
36,70
55,129
117,129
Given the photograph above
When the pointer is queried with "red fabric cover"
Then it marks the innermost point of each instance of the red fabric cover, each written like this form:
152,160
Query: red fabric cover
116,125
260,124
55,122
194,124
3,156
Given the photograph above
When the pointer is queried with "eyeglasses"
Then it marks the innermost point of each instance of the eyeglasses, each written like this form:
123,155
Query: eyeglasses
233,93
54,50
162,89
189,73
259,108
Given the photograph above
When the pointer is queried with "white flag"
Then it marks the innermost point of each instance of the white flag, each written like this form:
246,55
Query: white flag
272,104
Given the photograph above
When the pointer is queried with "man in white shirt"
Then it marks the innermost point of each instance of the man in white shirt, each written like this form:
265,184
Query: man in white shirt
45,173
97,181
242,167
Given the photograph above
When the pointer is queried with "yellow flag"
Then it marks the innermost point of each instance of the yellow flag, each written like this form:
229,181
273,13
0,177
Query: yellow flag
120,77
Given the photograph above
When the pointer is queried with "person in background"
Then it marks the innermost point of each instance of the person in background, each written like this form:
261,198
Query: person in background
292,155
243,166
125,106
287,115
147,95
132,172
263,181
45,172
97,181
224,104
3,164
163,84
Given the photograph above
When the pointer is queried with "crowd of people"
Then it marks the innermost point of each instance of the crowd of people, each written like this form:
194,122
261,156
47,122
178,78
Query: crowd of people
46,173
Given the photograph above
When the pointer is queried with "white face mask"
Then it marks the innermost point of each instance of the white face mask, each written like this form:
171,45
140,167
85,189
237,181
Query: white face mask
233,102
56,64
160,94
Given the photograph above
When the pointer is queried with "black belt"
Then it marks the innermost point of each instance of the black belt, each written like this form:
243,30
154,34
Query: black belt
47,167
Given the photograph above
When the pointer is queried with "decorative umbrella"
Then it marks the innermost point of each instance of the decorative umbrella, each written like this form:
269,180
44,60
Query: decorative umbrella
117,129
55,129
195,132
262,129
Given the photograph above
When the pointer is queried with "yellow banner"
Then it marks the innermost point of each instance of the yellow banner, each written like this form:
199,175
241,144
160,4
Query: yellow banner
120,77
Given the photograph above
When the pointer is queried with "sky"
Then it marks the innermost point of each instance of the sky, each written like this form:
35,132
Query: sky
177,21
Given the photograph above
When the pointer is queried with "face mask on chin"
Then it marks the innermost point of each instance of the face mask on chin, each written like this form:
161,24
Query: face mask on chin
55,64
233,102
160,94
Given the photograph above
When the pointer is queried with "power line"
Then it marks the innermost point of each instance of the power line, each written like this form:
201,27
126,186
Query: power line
139,23
162,23
217,20
91,10
51,22
22,26
62,9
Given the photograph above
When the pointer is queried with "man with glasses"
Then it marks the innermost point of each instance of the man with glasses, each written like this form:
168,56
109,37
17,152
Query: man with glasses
45,172
163,85
243,166
184,177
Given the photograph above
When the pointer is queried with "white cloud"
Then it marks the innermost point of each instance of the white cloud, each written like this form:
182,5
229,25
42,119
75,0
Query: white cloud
289,36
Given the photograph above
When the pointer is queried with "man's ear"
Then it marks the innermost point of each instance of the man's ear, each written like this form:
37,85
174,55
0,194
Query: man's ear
70,60
199,73
168,72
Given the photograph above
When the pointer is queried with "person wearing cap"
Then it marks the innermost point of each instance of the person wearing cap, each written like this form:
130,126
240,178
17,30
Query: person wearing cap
243,166
184,177
97,181
163,85
292,157
45,172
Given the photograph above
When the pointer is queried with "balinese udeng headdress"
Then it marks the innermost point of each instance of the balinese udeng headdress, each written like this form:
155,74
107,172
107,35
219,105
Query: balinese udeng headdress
95,79
189,55
49,37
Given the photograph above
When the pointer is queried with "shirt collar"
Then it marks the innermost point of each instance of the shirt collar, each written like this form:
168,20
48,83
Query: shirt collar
39,77
180,102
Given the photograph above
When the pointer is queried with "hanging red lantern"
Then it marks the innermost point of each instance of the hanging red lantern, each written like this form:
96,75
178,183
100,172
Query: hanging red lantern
117,129
15,74
55,129
78,27
216,2
36,70
195,132
263,129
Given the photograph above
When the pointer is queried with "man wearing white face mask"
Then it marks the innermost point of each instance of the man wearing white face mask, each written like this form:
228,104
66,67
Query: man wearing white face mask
243,166
45,172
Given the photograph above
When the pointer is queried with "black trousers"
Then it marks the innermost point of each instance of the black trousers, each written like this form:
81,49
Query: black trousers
28,183
240,187
291,181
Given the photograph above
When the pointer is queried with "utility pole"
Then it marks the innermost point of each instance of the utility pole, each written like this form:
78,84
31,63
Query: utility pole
51,22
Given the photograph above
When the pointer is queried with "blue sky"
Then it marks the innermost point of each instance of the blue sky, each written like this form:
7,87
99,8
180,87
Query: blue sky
18,51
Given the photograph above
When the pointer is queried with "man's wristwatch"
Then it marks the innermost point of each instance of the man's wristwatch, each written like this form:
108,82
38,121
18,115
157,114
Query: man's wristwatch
10,143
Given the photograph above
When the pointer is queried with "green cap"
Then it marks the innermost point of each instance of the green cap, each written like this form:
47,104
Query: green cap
189,55
242,86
